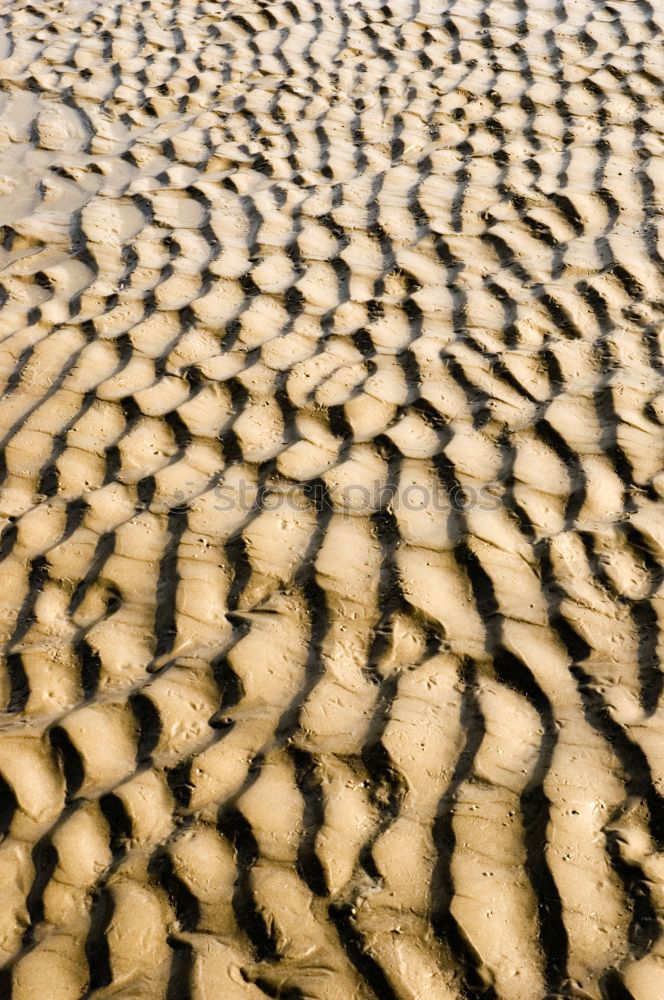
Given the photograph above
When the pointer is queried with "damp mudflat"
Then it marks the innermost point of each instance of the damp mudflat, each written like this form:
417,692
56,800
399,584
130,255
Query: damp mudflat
331,465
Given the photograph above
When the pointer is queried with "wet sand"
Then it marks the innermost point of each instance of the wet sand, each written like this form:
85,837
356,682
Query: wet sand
331,465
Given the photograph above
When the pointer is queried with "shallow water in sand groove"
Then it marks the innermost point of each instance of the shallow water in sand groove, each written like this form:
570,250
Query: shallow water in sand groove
331,478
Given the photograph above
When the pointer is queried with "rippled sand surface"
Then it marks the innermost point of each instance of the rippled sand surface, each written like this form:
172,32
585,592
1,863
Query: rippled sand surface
341,742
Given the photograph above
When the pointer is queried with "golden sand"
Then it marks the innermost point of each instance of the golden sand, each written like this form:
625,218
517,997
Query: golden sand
331,465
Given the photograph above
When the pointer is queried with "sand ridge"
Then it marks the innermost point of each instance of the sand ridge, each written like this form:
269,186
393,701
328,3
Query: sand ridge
333,744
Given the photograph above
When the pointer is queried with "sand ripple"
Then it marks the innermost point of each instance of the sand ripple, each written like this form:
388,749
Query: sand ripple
331,475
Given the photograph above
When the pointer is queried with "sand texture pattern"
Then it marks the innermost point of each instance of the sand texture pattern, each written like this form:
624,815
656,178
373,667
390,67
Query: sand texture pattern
331,466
